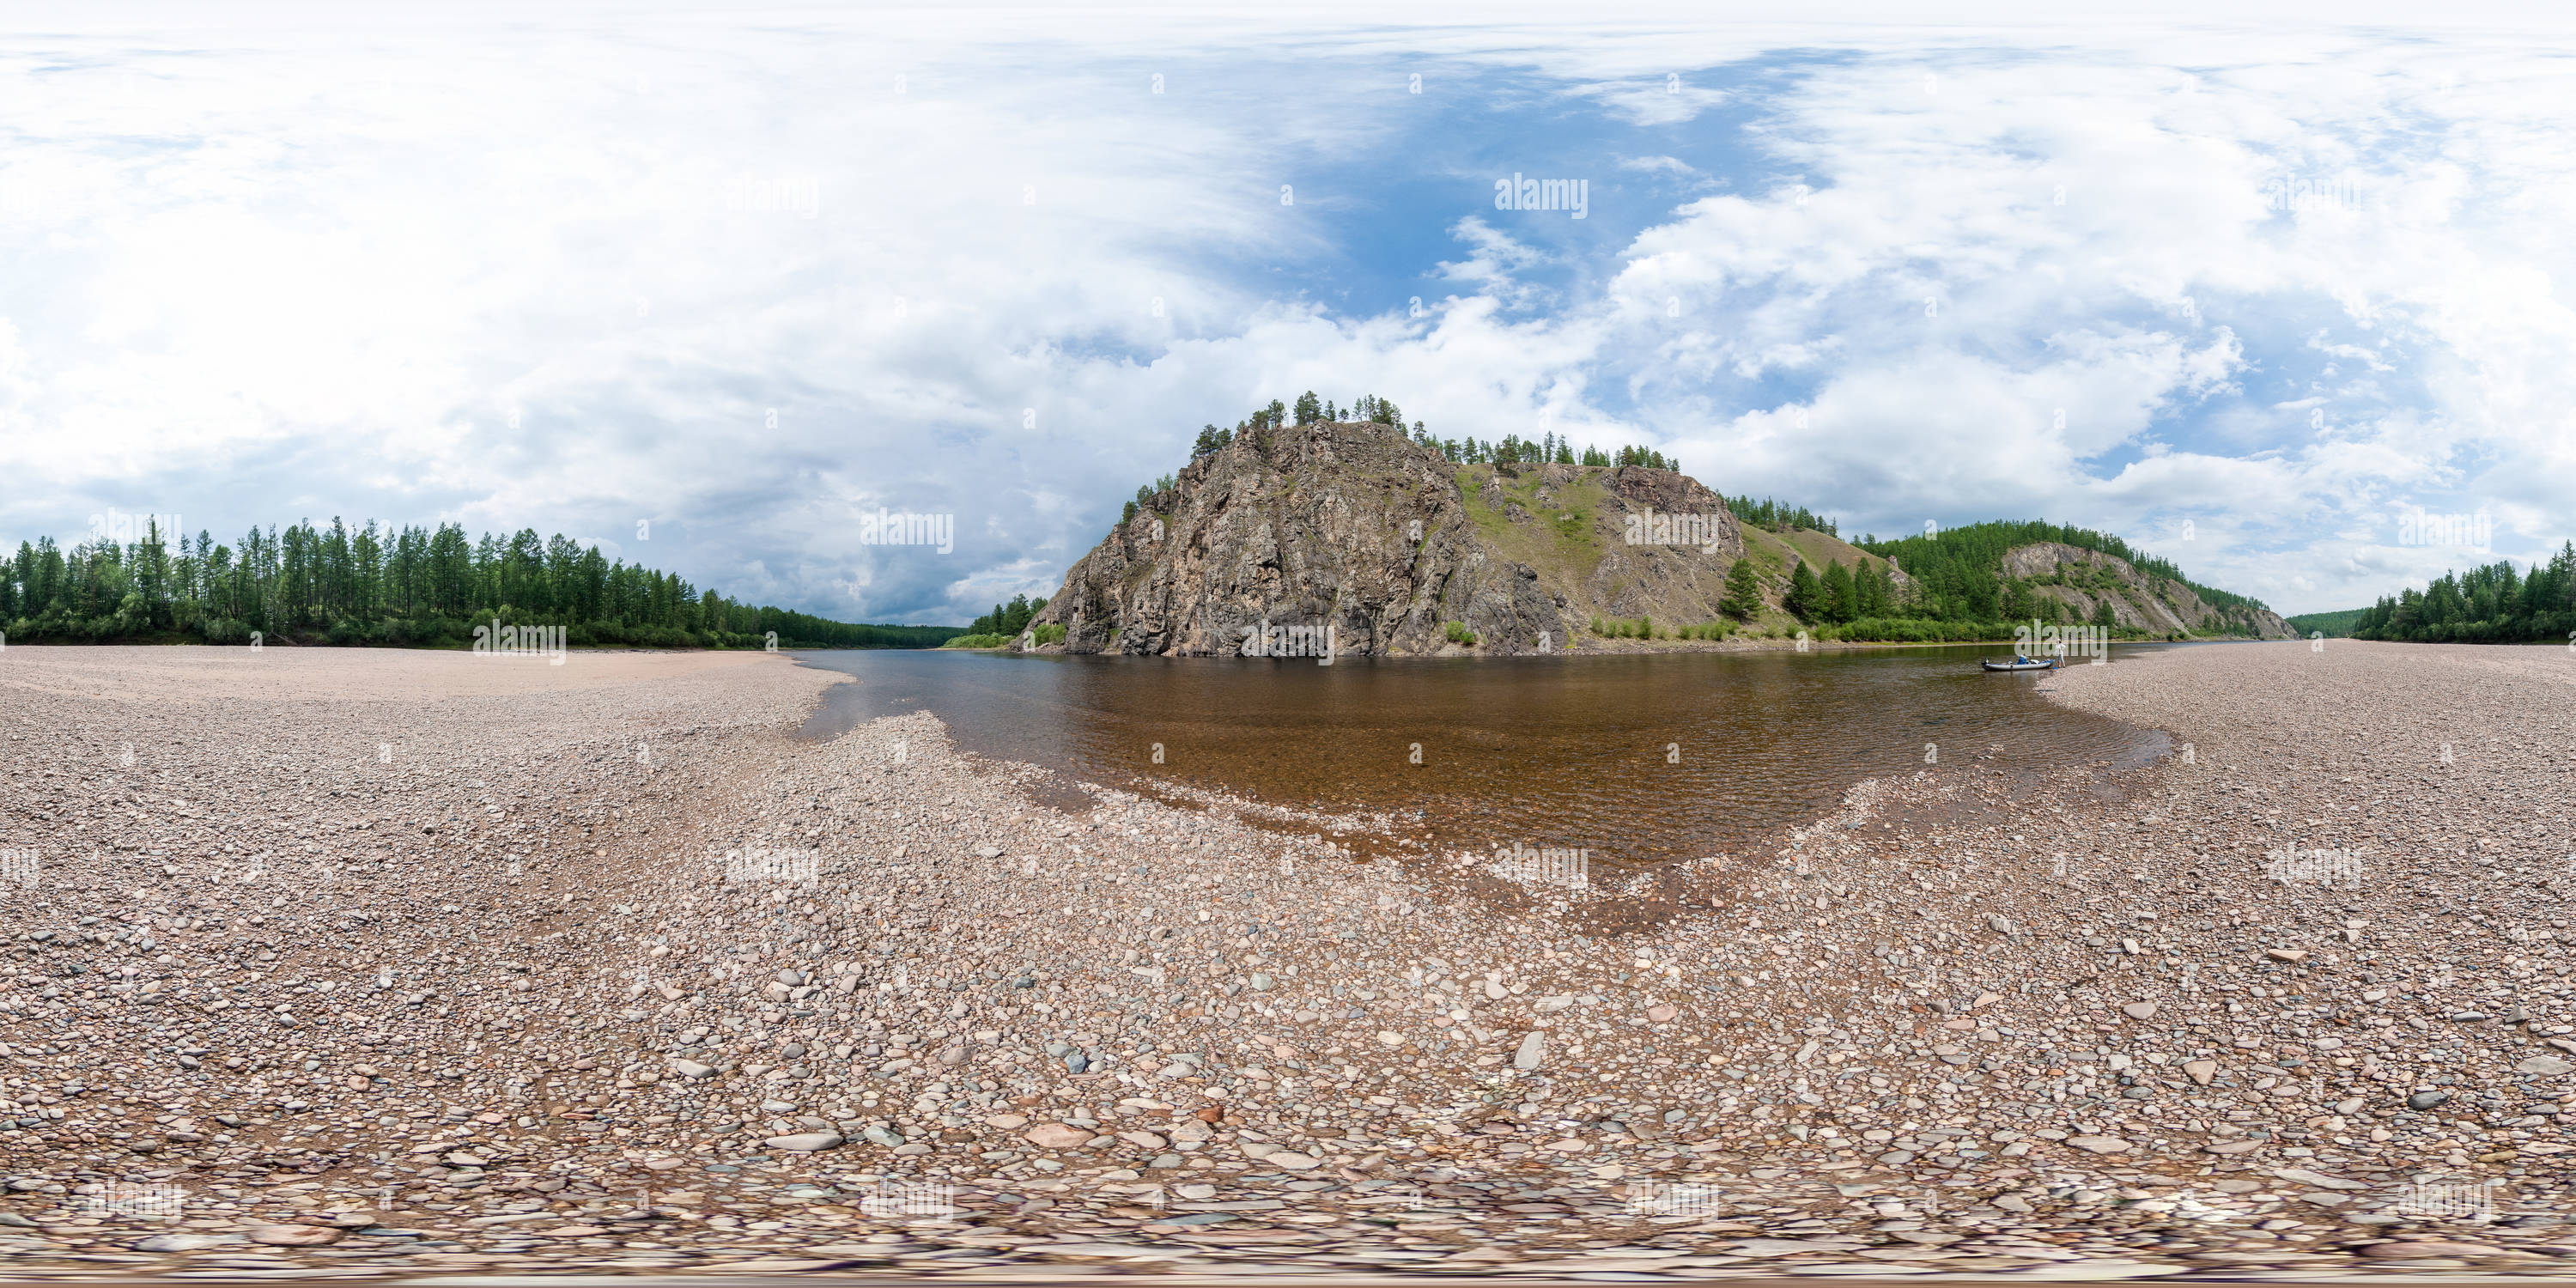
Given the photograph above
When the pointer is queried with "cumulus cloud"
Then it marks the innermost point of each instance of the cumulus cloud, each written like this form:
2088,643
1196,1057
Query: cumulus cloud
747,282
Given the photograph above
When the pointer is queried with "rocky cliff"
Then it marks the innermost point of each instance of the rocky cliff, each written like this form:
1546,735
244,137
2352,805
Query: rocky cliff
2082,579
1355,527
1290,536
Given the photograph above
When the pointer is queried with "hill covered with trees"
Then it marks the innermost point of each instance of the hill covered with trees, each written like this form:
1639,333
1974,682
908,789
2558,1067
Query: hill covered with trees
1544,504
2489,605
413,586
2334,626
1400,541
1970,574
1004,624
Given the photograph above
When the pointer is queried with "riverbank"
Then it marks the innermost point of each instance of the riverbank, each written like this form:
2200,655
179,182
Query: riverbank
1597,645
372,959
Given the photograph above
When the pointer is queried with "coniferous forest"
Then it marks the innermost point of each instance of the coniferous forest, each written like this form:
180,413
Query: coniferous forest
1960,570
378,585
2488,605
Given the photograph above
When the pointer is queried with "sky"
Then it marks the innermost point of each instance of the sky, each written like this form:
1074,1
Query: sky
705,287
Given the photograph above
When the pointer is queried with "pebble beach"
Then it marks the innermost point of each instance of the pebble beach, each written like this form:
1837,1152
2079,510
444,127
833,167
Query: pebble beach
384,962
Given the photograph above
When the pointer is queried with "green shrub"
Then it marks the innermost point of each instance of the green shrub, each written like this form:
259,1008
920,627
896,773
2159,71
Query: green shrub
1913,630
1459,634
1047,633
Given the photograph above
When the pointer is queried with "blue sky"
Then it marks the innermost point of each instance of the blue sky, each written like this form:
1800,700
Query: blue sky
2242,291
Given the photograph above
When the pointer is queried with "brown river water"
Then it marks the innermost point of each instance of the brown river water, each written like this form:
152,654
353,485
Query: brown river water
1638,759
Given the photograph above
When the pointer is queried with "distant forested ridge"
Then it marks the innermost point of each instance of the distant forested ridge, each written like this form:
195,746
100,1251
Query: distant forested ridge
2334,625
1004,623
411,586
2489,605
1959,572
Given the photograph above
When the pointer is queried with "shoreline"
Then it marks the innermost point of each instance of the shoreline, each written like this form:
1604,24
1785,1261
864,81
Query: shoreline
466,646
1597,647
1108,1010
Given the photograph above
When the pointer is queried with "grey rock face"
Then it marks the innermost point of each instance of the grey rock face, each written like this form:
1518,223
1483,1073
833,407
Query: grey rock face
2138,599
1355,527
1353,533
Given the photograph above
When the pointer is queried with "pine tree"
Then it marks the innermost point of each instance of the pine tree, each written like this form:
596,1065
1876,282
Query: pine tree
1804,591
1309,408
2018,605
1840,604
1743,599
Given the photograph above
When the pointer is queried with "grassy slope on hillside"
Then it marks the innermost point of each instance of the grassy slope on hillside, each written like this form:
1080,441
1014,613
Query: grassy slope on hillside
1821,548
1558,542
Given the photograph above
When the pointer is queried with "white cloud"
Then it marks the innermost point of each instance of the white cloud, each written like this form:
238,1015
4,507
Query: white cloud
291,269
1964,303
1658,165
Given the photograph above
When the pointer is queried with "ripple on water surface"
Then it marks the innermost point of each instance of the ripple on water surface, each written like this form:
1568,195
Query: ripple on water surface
1640,759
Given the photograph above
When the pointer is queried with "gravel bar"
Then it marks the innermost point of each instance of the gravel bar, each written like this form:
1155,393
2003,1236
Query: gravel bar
374,963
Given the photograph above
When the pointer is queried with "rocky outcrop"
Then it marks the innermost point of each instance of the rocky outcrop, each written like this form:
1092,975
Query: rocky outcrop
1351,535
2082,579
1353,528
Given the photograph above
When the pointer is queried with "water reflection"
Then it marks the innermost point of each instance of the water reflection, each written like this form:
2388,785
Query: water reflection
1639,759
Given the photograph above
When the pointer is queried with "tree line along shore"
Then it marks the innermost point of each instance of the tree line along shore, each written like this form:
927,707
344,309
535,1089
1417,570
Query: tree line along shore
385,586
2491,604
